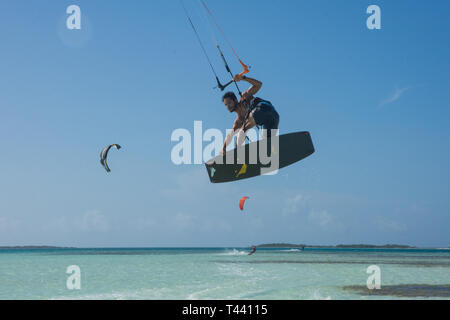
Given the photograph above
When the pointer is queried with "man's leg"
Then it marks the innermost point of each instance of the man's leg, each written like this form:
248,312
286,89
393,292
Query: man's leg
241,137
248,124
271,125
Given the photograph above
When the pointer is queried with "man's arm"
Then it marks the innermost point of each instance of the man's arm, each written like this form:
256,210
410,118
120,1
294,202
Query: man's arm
256,85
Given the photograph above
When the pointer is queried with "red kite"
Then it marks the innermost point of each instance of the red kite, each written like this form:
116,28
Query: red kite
241,203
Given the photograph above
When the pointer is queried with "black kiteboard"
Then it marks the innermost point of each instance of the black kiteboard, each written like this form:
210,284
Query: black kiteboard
293,147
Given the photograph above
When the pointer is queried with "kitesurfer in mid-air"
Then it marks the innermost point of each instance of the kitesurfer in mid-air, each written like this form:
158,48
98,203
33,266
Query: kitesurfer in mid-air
251,111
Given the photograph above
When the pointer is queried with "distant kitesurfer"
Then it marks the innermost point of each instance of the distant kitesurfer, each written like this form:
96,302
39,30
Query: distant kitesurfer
251,111
253,251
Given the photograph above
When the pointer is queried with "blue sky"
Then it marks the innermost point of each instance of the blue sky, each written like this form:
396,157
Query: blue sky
375,101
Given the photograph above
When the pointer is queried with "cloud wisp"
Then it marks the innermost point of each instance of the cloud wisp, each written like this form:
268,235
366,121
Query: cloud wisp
394,97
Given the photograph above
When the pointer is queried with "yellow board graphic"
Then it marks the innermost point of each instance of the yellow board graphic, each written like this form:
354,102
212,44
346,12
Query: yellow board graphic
242,171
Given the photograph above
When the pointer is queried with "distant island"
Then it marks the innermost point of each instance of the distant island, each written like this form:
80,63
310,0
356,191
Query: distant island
32,247
343,246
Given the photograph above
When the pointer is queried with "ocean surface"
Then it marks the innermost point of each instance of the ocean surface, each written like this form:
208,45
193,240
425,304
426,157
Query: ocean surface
224,273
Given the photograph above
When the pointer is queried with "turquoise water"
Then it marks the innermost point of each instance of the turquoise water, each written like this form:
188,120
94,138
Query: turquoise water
220,273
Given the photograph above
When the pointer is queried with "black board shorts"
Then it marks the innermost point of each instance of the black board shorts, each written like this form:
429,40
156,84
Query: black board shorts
266,116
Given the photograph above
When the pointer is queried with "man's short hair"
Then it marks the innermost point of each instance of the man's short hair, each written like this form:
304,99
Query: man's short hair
229,95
